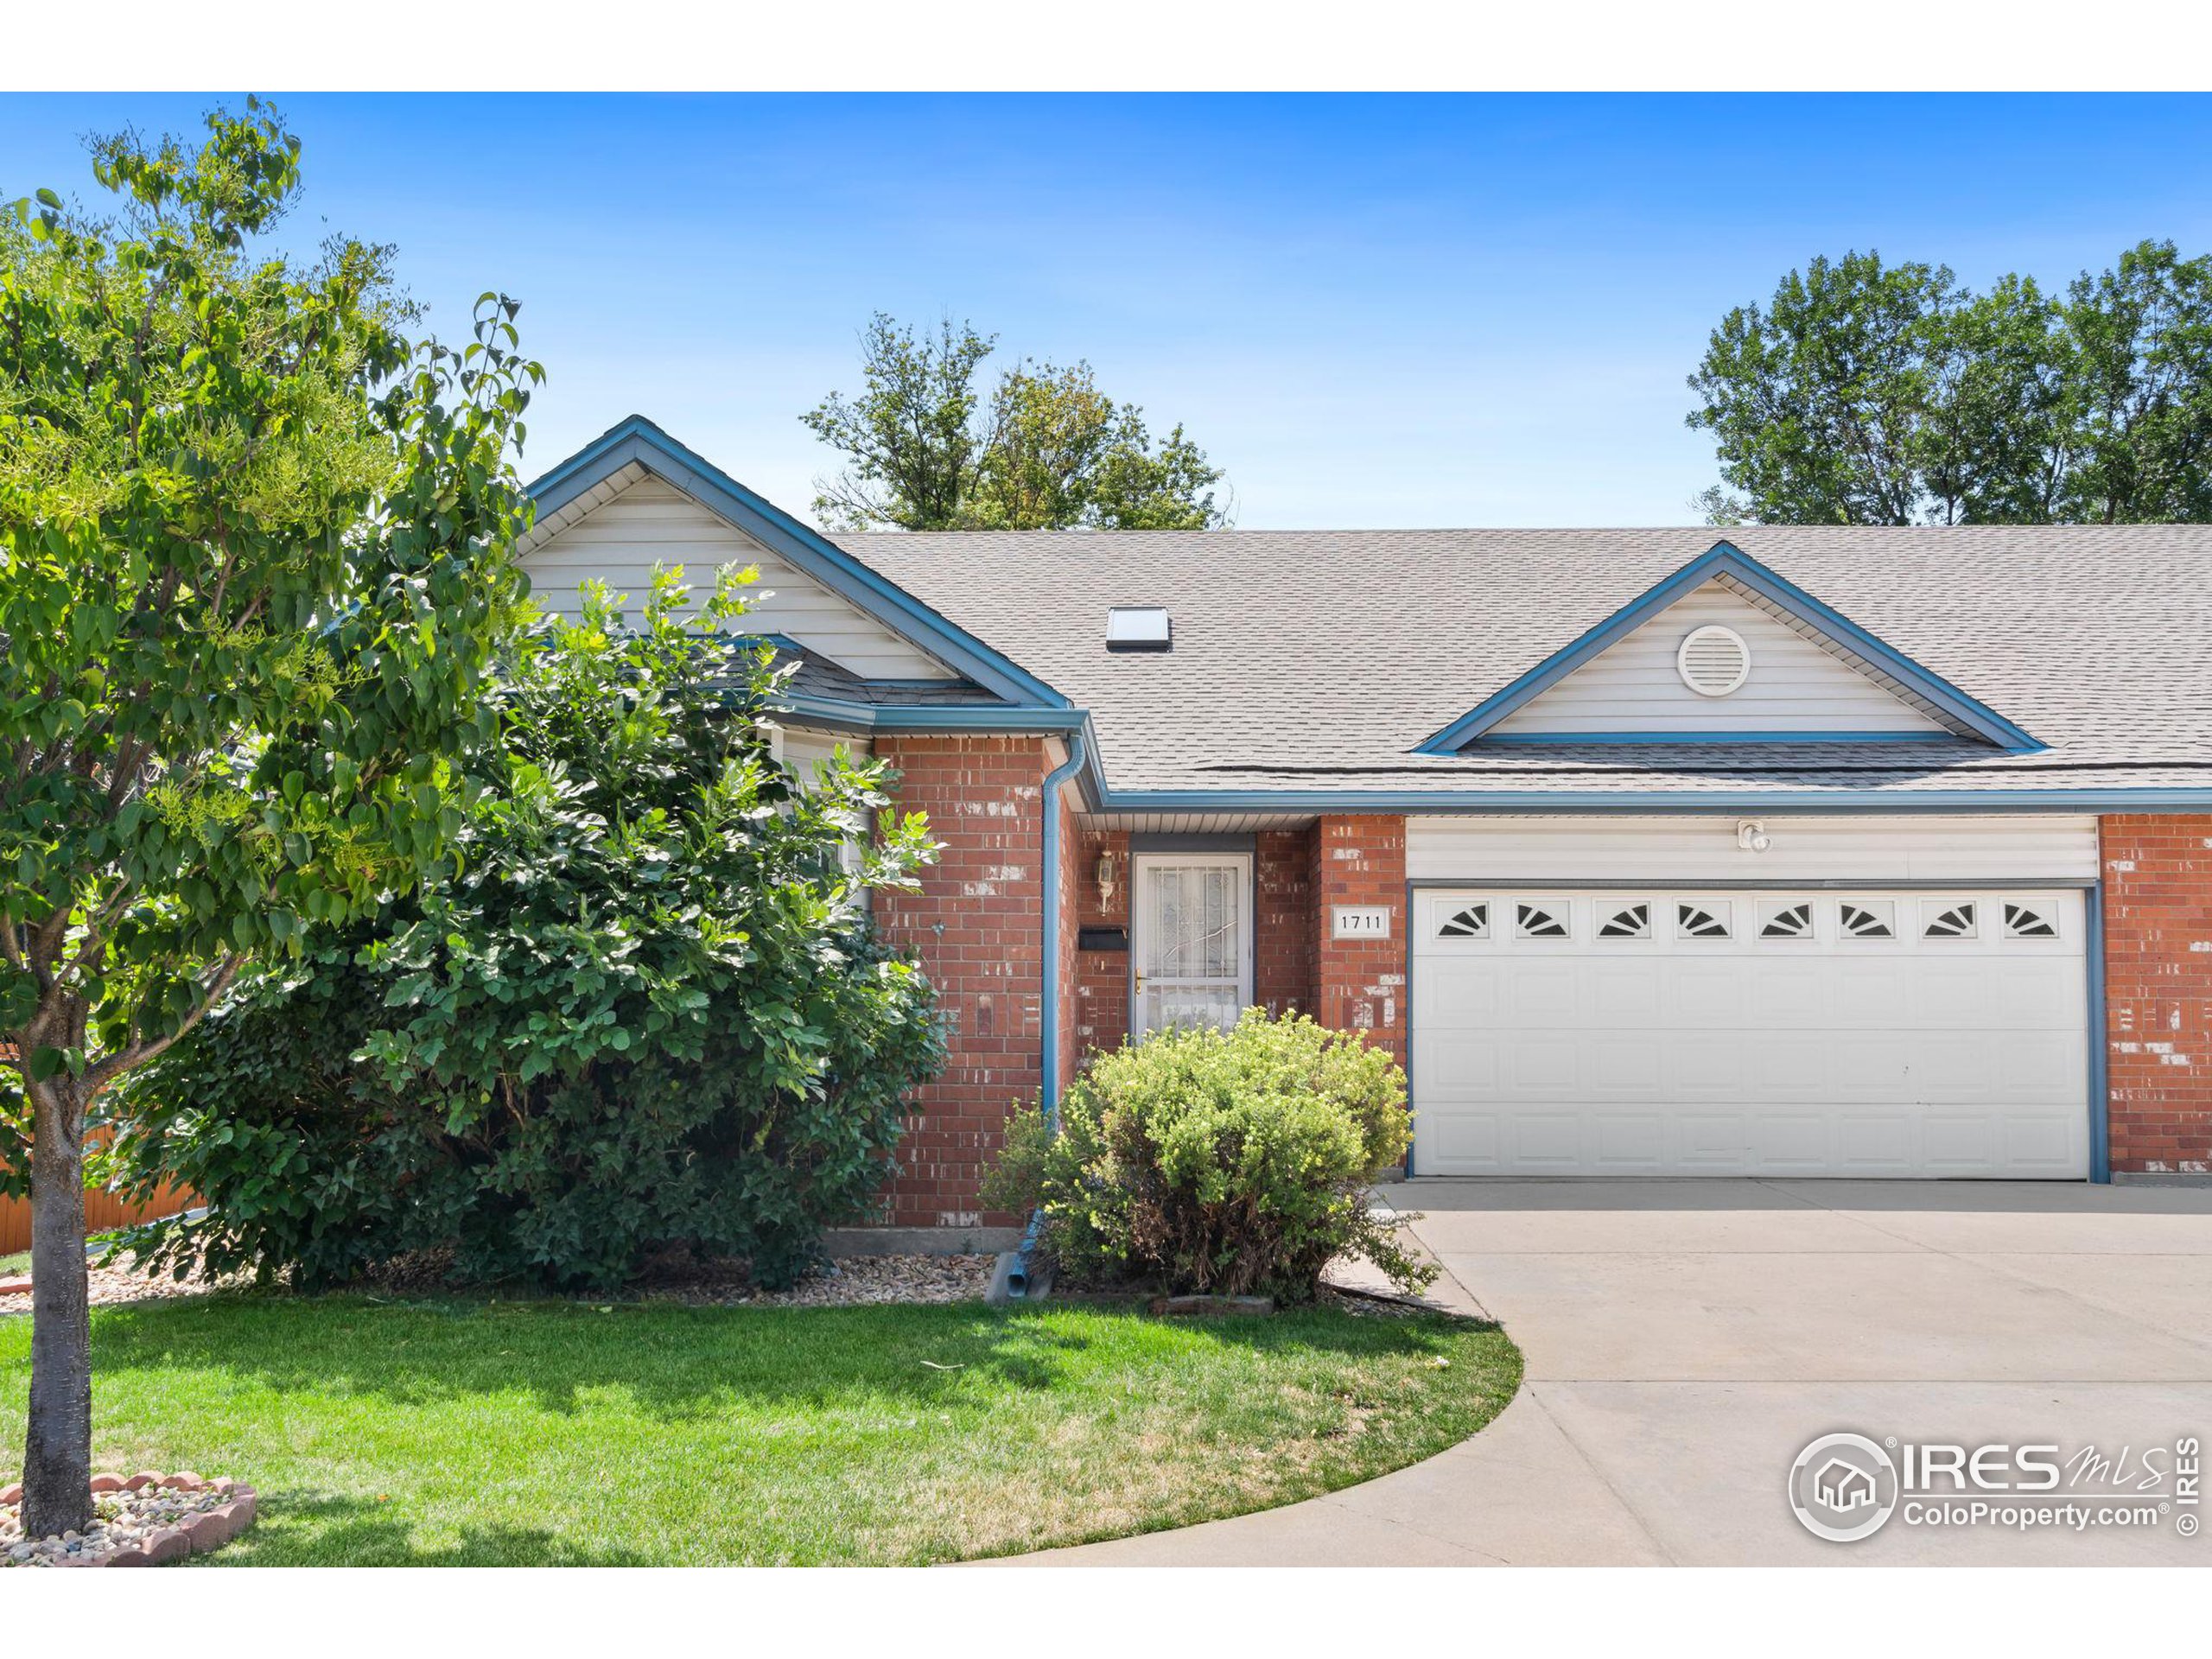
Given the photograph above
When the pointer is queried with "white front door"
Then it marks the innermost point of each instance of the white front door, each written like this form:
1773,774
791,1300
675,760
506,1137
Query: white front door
1190,939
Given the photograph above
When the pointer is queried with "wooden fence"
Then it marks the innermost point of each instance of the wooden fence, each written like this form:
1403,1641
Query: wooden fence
103,1209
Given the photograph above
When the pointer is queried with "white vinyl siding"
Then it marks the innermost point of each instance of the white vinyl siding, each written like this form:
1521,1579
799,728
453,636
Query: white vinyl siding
650,523
2010,847
803,749
1795,685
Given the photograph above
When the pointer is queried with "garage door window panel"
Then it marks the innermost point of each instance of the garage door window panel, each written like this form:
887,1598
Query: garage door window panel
1940,920
1792,920
1546,918
1467,922
1867,919
1625,921
1701,921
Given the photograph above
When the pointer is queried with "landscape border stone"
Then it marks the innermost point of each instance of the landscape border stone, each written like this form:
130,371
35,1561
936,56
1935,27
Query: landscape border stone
196,1533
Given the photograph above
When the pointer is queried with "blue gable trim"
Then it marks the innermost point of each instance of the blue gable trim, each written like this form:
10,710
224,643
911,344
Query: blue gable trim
638,439
1723,560
1539,739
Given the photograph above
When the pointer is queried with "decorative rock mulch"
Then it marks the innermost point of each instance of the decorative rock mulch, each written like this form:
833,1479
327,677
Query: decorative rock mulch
147,1520
851,1282
109,1287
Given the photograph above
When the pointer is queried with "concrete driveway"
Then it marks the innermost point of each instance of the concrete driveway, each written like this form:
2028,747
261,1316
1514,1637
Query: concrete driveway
1685,1340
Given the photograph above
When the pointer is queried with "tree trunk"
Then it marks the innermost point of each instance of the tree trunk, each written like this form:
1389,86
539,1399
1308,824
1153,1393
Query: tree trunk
58,1450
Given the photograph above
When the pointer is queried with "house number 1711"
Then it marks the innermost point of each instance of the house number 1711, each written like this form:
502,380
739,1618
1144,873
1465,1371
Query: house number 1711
1359,921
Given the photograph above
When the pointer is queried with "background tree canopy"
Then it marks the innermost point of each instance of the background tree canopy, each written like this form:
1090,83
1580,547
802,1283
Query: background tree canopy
925,449
1866,394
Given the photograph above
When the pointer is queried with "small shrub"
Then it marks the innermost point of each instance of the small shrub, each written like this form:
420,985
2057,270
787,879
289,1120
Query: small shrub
1222,1162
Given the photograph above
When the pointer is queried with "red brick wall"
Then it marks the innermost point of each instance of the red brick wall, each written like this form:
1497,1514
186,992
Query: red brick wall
2157,914
976,927
1284,935
1360,984
1099,999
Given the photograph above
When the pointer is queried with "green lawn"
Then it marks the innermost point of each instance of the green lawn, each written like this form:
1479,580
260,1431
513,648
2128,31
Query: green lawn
483,1433
12,1265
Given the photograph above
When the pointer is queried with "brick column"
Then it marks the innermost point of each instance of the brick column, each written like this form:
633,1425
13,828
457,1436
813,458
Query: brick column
976,927
1282,920
2157,915
1360,984
1098,998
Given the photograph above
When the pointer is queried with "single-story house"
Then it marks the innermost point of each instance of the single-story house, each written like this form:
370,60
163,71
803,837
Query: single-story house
1804,852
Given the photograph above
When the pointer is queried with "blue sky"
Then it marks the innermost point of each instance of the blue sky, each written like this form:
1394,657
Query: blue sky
1372,311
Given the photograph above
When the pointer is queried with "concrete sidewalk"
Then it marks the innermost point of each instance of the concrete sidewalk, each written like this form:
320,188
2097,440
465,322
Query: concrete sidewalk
1686,1339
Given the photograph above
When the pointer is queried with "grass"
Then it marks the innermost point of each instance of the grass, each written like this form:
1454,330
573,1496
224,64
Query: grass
481,1432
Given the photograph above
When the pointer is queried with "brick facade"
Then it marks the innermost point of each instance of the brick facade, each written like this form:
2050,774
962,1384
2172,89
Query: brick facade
2157,917
1099,999
977,926
1283,934
1360,984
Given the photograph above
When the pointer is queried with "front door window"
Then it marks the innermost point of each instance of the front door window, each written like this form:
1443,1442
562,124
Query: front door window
1192,940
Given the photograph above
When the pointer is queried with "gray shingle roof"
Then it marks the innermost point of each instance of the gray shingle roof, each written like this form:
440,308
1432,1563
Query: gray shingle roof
1318,660
815,675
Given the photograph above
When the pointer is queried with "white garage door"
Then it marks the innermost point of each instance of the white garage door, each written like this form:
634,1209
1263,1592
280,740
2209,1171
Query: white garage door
1874,1032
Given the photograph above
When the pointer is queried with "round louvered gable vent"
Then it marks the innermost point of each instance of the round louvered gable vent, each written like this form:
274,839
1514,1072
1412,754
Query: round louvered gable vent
1714,660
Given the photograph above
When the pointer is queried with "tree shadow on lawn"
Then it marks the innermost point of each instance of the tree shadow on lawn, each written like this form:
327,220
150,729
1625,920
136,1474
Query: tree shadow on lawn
311,1529
677,1363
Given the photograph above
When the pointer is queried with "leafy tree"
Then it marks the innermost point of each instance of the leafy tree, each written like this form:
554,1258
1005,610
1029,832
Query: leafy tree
2140,391
1891,394
643,1011
254,560
1048,451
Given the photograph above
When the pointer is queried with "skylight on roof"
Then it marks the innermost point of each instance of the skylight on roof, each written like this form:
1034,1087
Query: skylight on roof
1139,627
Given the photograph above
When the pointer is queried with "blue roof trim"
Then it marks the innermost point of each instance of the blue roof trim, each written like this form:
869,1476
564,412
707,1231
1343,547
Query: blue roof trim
1539,739
1724,559
1524,802
638,439
780,641
1100,797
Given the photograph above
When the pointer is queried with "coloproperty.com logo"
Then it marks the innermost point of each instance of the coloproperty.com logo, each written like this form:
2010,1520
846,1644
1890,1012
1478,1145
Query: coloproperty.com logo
1845,1487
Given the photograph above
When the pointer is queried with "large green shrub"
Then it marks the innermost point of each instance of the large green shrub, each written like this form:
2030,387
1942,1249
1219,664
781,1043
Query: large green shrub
1230,1162
644,1010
